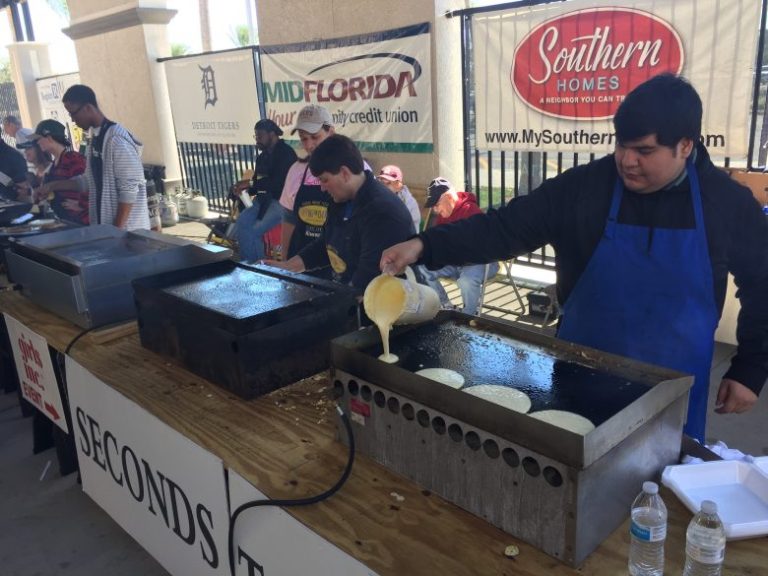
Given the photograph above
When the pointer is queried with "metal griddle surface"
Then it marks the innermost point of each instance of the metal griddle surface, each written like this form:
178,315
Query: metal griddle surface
242,293
483,357
102,250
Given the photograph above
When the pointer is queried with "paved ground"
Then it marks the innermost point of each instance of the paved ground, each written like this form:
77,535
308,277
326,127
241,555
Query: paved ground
49,527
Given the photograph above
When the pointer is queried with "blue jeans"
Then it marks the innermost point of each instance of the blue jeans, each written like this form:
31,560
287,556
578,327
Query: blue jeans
470,280
249,230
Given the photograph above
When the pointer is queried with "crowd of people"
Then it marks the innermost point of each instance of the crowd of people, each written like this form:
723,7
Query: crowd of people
106,185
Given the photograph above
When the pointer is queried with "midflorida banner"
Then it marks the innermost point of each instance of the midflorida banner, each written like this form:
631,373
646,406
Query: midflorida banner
550,77
377,87
214,97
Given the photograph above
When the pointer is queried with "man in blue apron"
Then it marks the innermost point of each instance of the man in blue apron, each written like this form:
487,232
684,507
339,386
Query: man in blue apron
644,241
363,219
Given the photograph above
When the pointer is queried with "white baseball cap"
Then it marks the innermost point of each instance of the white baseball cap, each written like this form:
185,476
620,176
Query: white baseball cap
312,118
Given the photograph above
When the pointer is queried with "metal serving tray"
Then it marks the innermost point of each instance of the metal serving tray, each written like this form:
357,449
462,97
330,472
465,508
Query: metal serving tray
250,329
84,274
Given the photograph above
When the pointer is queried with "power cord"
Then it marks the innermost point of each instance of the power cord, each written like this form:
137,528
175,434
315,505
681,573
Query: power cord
300,501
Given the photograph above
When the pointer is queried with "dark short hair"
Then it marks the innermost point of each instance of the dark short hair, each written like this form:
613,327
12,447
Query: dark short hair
10,119
80,94
666,105
333,153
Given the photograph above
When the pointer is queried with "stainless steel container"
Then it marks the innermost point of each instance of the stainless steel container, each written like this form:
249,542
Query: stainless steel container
561,491
85,274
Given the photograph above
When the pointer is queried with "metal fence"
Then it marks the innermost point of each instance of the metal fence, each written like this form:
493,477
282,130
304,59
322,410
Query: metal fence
213,168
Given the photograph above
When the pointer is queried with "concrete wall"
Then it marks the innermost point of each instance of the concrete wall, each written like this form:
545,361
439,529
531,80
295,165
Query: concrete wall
324,19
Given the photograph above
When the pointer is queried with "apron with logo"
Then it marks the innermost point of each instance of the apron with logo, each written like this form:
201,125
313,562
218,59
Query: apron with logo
654,304
311,211
339,246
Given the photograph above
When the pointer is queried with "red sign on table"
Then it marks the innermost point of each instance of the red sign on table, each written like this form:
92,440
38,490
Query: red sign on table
35,371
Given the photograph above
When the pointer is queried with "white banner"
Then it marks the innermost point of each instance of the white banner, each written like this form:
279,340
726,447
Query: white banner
550,77
214,97
165,491
377,87
270,542
35,371
50,90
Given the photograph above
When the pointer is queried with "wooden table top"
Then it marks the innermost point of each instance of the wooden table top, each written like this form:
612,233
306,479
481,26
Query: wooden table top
284,444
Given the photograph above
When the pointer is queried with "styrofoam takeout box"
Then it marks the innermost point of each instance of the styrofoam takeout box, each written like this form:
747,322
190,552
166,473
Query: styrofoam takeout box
739,488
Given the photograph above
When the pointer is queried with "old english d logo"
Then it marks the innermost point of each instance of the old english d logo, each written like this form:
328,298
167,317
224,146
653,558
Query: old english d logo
582,64
208,84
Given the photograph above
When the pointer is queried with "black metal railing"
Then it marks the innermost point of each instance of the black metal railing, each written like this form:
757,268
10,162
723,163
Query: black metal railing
213,168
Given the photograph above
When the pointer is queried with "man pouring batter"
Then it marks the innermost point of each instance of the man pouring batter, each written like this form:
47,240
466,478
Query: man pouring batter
644,241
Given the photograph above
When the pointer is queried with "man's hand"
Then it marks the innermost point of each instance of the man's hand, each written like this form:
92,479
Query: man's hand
395,259
71,205
42,192
733,397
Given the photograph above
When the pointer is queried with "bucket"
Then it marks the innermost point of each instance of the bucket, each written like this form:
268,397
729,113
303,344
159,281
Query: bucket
197,207
389,300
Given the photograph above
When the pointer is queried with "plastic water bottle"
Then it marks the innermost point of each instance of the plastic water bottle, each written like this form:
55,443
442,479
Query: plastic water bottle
705,543
648,530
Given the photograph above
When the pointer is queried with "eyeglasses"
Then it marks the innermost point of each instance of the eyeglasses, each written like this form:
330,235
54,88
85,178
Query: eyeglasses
76,112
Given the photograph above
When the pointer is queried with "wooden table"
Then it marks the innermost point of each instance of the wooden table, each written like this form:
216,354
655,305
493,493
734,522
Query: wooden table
283,444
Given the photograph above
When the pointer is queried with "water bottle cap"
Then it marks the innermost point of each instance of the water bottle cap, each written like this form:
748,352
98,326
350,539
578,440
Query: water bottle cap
708,507
650,487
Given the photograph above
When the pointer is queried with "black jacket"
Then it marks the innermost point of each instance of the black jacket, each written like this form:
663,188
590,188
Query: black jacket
357,232
569,213
271,170
14,167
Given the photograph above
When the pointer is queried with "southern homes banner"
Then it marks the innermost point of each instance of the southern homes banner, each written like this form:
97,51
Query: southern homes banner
377,86
214,97
550,77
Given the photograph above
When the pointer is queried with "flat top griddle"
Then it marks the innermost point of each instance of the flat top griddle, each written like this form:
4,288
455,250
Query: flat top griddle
242,293
484,357
101,250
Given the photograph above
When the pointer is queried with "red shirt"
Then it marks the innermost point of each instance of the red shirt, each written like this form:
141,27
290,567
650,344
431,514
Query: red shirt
465,207
70,164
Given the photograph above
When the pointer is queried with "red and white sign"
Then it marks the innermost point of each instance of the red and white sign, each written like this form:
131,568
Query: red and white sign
572,65
550,77
35,371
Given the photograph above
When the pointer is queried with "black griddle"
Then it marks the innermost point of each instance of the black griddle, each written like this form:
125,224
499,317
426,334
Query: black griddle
250,329
482,356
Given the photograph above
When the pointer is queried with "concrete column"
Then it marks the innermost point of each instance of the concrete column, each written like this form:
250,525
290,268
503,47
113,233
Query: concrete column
29,61
117,46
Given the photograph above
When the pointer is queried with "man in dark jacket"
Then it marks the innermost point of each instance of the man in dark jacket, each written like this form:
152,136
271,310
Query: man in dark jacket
272,164
364,219
451,205
13,173
644,241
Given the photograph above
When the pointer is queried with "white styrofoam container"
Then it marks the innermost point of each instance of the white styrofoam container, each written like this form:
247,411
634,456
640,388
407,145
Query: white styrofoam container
762,463
739,488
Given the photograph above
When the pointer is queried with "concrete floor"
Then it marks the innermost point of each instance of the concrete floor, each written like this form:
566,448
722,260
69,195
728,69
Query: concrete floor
49,527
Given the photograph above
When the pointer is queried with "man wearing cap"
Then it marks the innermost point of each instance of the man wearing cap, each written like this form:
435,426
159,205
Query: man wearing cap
305,203
450,206
114,176
392,177
68,204
272,164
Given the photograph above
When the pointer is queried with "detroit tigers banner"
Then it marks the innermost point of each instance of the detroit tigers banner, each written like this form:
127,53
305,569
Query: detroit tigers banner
377,87
214,97
550,77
